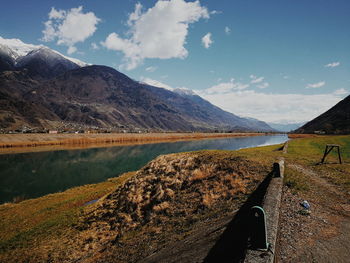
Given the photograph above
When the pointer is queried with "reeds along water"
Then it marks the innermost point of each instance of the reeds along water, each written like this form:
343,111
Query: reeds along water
33,140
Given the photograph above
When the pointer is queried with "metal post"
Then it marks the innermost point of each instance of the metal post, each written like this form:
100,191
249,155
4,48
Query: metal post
329,148
258,236
325,154
339,154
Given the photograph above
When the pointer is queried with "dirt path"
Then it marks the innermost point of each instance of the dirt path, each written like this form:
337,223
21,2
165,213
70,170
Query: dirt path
322,236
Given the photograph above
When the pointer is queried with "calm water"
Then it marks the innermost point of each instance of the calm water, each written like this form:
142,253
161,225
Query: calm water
30,175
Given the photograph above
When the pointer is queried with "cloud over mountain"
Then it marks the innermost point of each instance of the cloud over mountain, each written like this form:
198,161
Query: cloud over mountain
160,32
271,107
69,27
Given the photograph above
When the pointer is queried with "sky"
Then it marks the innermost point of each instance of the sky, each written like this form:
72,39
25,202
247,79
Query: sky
280,61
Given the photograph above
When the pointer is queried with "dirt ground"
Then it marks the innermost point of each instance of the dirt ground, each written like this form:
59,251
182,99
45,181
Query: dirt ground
322,236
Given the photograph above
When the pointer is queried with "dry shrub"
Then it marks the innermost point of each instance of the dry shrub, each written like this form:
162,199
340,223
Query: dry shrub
209,199
236,184
161,207
204,172
171,188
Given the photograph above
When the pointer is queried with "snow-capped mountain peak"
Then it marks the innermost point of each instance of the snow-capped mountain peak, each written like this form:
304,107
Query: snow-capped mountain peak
17,49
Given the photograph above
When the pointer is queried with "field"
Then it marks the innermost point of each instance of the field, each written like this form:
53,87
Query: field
31,229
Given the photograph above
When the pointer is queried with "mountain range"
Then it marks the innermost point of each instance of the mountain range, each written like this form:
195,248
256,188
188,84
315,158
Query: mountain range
43,89
285,127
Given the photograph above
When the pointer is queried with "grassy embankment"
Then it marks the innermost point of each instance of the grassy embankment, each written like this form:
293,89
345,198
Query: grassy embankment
26,142
308,151
26,226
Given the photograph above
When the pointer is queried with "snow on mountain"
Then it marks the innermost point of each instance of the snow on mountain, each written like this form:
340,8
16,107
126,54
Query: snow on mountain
16,49
158,84
184,91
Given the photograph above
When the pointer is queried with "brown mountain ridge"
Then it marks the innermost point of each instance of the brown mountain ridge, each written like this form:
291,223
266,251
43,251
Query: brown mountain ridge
44,90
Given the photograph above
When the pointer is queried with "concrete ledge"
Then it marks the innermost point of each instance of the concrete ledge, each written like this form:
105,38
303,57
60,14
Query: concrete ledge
285,147
271,205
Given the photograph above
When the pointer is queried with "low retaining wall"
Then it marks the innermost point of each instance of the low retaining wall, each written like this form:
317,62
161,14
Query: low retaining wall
271,206
285,147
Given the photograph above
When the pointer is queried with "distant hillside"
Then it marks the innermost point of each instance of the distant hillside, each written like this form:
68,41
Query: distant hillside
334,121
42,89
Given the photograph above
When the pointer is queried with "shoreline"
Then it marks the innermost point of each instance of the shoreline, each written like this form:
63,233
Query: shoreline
37,142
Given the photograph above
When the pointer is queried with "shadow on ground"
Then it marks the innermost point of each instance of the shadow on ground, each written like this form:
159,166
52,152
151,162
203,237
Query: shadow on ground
232,244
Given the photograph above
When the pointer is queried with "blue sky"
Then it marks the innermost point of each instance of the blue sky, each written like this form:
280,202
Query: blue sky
279,61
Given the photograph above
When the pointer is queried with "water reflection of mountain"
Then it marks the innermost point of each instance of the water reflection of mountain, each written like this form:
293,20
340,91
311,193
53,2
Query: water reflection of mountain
36,174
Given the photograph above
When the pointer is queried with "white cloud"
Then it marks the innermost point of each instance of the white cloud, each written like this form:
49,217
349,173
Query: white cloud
159,32
226,87
215,12
151,69
332,65
131,50
263,85
278,108
227,30
316,85
94,46
71,50
155,83
207,41
134,16
256,79
341,91
69,27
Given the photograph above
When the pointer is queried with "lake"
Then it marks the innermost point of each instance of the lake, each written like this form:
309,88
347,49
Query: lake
30,175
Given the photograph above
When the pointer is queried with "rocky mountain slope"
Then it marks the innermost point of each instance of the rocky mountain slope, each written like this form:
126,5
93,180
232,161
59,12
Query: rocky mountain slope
334,121
40,88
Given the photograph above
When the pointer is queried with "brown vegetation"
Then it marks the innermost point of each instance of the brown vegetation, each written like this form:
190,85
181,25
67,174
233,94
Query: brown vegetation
17,142
163,202
169,195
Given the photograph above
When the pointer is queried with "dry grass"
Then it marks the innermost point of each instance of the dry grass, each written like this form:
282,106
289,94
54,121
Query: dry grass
32,230
170,194
204,172
34,140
